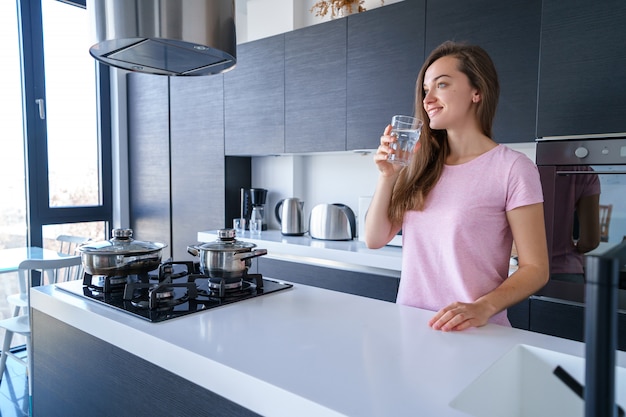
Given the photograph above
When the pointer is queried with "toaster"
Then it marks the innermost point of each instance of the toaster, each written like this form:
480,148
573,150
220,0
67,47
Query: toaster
332,222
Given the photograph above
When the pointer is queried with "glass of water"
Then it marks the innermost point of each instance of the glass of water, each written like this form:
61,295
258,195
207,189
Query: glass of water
406,130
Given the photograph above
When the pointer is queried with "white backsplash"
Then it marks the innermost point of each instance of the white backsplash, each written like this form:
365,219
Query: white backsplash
338,177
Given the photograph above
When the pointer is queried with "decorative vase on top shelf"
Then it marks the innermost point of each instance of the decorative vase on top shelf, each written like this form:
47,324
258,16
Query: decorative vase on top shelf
339,8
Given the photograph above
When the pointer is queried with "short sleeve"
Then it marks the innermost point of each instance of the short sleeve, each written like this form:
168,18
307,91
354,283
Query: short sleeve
524,185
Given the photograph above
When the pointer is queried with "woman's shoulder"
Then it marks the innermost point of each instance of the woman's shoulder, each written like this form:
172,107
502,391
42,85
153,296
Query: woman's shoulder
511,156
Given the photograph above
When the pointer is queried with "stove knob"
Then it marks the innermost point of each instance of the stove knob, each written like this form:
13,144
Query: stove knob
581,152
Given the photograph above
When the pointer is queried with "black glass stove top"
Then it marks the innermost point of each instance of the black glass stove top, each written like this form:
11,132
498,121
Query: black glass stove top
180,299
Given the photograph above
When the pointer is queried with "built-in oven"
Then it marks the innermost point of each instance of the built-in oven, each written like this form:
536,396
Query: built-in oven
584,186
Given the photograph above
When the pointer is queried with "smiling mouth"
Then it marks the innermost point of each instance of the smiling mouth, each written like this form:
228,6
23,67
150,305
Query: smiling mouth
433,112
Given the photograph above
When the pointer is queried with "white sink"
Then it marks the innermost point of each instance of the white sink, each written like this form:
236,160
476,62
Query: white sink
522,383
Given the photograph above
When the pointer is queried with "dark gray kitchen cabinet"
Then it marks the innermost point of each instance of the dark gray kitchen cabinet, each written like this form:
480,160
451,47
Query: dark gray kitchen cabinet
385,53
380,287
509,32
149,158
315,88
176,158
254,99
77,374
564,318
197,158
582,88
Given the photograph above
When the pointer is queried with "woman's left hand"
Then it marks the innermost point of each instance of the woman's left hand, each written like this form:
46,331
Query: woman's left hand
461,316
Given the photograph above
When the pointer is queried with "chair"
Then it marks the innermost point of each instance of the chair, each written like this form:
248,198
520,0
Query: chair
67,245
605,219
21,324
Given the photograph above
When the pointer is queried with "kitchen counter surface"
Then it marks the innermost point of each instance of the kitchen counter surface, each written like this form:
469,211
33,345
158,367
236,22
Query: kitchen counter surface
309,352
352,254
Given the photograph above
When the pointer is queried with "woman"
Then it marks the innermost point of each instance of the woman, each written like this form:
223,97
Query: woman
462,201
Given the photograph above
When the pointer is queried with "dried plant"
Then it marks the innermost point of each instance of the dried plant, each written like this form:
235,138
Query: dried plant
323,7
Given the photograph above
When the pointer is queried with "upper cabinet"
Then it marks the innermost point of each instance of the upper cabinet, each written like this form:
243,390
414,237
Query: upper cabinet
509,32
385,53
582,87
315,88
254,99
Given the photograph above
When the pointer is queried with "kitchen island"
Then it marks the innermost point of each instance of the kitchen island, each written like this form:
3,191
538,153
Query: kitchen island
301,352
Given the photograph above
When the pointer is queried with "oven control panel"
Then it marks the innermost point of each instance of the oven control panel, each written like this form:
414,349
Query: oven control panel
582,151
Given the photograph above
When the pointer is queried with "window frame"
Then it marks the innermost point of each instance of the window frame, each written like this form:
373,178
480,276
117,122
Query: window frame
39,212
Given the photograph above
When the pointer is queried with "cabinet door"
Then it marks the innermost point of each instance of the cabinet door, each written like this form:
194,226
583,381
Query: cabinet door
581,78
566,319
148,158
315,88
197,159
509,32
379,287
385,53
254,99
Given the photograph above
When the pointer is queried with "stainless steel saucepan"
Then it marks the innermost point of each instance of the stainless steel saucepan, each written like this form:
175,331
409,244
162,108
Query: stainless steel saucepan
121,255
226,257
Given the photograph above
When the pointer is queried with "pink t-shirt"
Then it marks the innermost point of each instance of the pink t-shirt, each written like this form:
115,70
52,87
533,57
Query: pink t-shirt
458,247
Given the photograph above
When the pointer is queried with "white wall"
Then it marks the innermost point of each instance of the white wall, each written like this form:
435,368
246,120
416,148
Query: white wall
315,179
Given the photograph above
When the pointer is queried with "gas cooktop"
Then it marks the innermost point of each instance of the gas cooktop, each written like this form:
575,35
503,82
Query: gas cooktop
157,299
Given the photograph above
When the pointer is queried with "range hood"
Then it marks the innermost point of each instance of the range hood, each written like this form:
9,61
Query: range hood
165,37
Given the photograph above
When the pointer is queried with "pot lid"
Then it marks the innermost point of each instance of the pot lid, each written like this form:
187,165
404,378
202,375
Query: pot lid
121,243
226,242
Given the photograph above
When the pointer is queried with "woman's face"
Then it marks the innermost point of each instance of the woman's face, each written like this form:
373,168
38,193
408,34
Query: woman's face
449,99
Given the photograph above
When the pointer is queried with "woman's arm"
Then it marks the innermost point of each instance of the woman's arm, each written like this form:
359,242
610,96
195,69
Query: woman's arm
588,211
529,234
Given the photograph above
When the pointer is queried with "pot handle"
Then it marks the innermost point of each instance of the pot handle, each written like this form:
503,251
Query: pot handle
277,211
247,255
192,250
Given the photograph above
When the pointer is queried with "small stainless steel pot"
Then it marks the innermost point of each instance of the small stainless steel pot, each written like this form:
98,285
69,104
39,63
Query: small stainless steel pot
121,255
226,257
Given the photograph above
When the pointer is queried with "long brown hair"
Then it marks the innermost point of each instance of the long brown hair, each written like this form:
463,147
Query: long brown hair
420,177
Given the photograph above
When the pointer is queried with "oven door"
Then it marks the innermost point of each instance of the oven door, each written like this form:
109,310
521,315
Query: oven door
585,208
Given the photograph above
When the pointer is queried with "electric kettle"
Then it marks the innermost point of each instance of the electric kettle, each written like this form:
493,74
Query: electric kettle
290,214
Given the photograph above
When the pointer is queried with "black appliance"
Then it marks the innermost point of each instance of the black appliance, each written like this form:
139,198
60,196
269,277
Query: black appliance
582,179
601,331
253,202
175,289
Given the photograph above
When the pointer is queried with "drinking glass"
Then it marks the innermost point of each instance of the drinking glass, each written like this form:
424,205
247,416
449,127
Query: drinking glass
407,130
239,224
255,226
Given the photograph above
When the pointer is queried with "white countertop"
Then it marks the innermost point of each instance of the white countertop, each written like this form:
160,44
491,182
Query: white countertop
306,351
335,253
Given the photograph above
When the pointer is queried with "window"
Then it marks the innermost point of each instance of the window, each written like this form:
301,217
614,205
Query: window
13,183
55,164
67,139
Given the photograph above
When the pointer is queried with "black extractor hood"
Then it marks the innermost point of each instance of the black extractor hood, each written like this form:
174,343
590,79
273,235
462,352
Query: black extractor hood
165,37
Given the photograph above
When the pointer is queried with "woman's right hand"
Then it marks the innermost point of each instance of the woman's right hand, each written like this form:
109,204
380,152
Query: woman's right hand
381,156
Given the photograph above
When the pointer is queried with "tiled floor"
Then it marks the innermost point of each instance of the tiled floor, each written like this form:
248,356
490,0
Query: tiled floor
14,389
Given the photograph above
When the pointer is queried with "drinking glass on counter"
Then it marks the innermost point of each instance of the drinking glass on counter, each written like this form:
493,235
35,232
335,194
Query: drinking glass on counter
239,224
255,226
407,130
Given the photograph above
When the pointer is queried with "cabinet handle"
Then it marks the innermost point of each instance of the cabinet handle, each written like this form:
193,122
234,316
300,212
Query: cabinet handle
42,109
